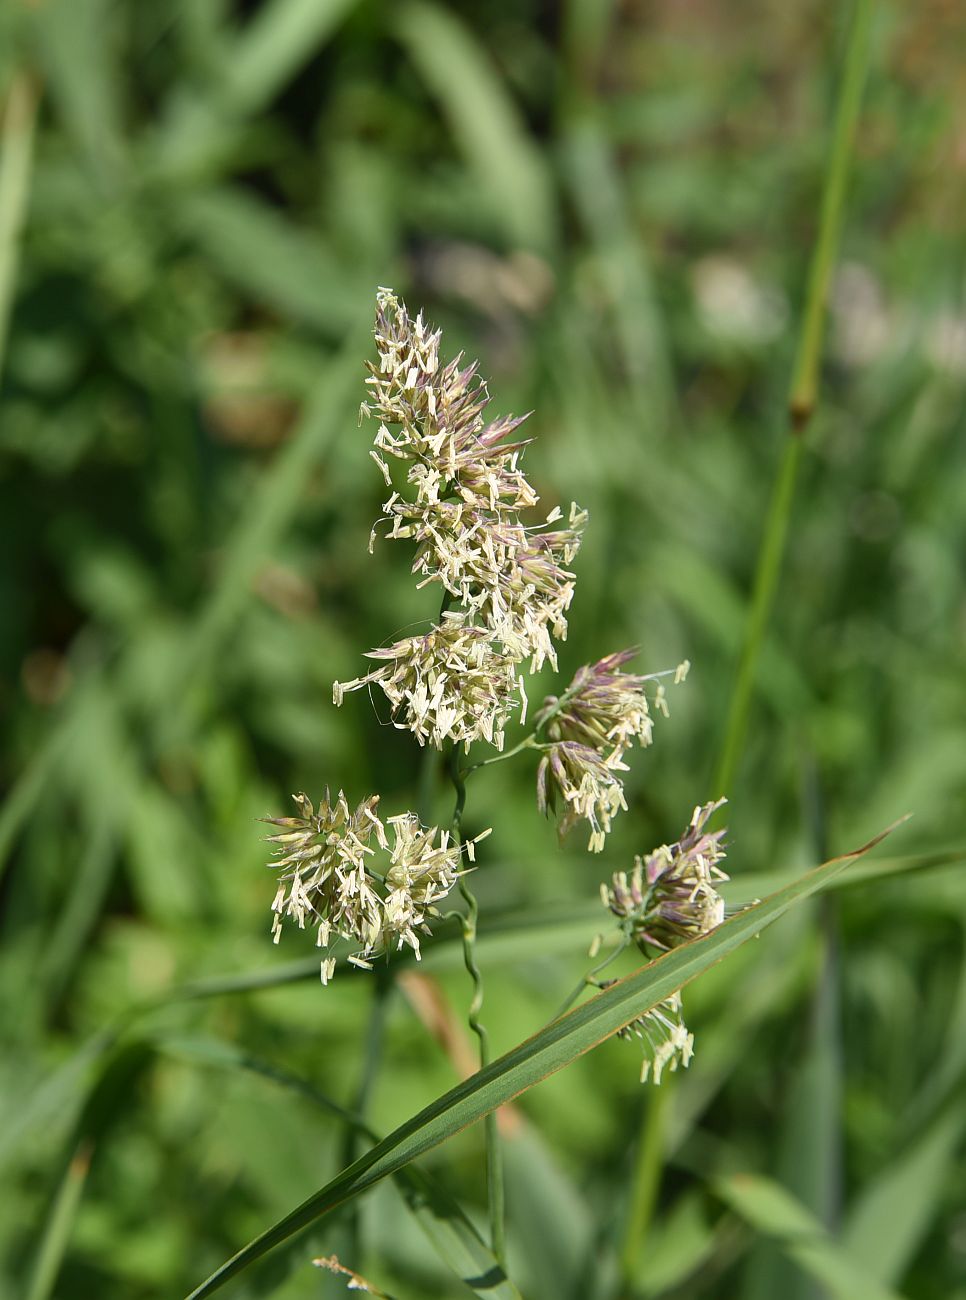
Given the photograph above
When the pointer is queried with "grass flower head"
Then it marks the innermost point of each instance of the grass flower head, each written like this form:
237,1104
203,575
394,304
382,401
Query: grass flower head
341,874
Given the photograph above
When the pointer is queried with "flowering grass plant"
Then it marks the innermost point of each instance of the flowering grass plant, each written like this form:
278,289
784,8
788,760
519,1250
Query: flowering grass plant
505,594
750,377
506,589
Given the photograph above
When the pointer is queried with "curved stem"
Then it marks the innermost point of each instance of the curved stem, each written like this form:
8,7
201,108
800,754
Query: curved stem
590,979
528,742
494,1162
531,741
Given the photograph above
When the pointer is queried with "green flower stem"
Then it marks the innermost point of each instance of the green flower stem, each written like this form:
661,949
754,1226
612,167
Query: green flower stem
532,741
803,391
590,979
529,742
496,1197
428,770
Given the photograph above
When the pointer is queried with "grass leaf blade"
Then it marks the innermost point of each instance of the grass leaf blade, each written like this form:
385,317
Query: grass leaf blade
549,1050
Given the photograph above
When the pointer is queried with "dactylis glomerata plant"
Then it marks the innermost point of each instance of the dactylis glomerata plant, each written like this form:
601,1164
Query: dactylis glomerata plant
506,586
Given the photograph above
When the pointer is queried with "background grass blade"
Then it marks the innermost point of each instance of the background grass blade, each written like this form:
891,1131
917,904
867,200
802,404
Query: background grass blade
775,1212
888,1222
546,1052
16,162
113,1094
273,262
484,120
278,40
803,391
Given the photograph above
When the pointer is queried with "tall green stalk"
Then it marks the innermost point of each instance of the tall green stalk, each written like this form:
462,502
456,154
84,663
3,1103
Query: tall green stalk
803,391
802,398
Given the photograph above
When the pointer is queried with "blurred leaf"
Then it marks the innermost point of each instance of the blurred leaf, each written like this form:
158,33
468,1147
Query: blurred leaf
744,888
272,260
16,164
259,528
55,1097
485,121
277,41
773,1211
110,1098
676,1248
34,780
810,1134
57,1230
889,1221
597,190
79,55
549,1219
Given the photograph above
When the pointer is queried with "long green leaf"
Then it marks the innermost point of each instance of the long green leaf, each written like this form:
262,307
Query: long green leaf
451,1233
81,60
746,887
550,1050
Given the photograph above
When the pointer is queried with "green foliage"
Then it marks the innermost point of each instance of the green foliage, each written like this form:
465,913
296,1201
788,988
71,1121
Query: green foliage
615,208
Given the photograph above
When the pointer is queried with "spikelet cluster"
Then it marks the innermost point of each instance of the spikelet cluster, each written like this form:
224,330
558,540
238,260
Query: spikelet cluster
507,585
666,1039
342,874
591,726
669,897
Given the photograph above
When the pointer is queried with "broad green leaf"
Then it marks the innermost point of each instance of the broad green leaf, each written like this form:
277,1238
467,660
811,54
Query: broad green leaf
484,119
772,1210
547,1051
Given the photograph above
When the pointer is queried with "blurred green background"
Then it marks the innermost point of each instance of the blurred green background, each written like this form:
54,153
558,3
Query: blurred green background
613,207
